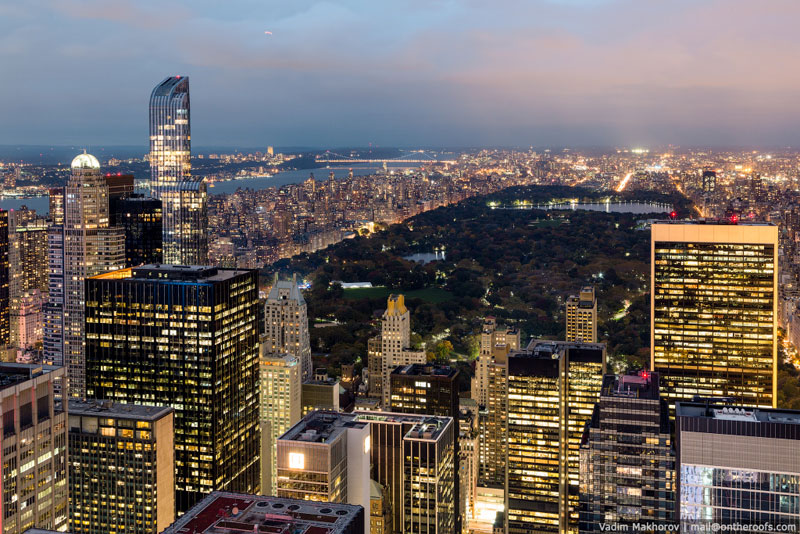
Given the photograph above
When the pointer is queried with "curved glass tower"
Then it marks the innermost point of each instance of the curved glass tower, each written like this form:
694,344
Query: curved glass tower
184,199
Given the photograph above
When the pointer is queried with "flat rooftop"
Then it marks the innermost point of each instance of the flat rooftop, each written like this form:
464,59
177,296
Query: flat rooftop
12,374
420,424
321,426
227,513
720,222
164,272
547,348
731,412
118,410
418,369
641,385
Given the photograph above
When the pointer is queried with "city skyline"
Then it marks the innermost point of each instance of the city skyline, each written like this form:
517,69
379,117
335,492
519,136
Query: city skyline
328,74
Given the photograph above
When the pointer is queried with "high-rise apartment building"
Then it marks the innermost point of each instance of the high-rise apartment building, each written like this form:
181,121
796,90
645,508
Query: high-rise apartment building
5,283
320,393
280,404
184,199
87,246
121,468
627,473
28,274
713,310
34,478
325,457
493,419
491,337
185,337
737,465
552,389
53,328
27,320
395,343
223,513
286,324
413,457
582,316
140,218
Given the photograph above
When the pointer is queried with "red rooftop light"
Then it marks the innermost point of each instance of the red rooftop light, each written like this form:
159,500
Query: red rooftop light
734,218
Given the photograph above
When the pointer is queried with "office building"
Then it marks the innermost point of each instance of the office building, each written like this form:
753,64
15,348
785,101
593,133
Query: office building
737,464
185,222
186,337
491,336
582,316
223,513
326,458
320,393
141,219
425,389
468,419
375,367
396,342
627,460
413,458
34,479
713,310
184,202
53,328
552,389
119,186
286,323
280,408
121,467
5,283
87,246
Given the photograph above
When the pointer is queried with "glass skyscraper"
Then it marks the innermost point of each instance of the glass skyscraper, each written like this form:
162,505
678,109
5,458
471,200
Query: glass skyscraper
185,337
714,310
184,198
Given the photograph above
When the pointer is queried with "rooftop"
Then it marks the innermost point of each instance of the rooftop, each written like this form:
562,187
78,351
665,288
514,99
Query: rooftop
419,369
164,272
729,412
721,222
549,349
641,385
287,290
12,374
171,85
227,513
321,426
422,426
118,410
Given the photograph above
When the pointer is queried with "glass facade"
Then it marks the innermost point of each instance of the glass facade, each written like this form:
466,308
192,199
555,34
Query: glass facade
552,389
187,338
141,219
713,313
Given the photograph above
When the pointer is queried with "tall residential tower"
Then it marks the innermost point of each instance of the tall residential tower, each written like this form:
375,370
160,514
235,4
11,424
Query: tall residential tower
286,324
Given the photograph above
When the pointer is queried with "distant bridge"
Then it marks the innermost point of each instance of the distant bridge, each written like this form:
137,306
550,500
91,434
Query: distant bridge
413,157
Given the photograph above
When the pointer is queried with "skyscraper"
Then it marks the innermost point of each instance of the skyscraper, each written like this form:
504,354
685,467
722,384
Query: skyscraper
737,465
491,336
286,324
28,274
34,478
140,218
396,342
552,389
184,202
5,280
185,337
713,310
85,246
325,457
122,467
627,459
582,316
412,456
280,390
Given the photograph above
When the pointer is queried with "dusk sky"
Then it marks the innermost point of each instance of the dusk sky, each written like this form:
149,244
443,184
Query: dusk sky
405,73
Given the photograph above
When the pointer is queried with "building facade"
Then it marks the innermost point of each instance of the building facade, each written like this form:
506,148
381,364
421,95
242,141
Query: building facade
714,309
280,406
184,199
121,467
286,324
5,283
396,343
627,461
491,336
552,389
185,337
582,316
737,465
34,479
140,218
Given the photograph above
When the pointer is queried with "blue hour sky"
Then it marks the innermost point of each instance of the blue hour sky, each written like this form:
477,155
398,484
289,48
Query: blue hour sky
405,73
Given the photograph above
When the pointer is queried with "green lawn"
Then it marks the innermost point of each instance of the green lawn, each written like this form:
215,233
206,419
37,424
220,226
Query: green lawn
431,294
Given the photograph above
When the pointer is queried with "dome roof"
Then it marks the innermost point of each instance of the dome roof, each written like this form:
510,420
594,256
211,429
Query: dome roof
85,161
